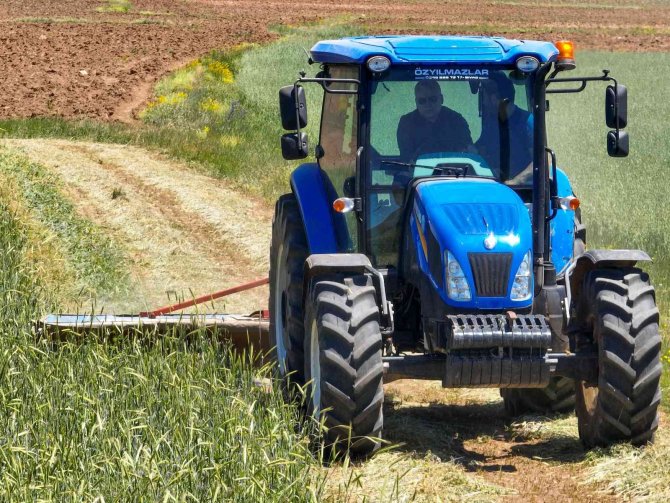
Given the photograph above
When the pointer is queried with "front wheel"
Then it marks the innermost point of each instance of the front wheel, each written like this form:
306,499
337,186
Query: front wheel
343,364
619,317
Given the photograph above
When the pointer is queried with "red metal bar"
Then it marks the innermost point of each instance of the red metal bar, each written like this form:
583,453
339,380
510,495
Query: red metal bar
205,298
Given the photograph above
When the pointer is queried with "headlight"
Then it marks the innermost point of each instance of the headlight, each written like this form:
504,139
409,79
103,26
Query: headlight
521,286
457,283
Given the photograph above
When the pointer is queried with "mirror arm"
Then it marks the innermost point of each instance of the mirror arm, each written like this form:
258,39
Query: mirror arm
324,81
582,80
554,186
297,106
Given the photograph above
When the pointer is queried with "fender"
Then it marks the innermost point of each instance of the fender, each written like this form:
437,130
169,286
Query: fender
319,264
598,259
326,230
349,263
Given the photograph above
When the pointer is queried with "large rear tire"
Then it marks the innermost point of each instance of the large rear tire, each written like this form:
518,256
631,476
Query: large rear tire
557,397
344,365
619,317
288,252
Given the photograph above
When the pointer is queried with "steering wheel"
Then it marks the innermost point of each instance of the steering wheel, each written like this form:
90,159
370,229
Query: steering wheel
453,168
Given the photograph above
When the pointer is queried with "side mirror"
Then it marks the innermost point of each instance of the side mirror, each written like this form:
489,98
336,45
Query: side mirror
616,106
292,120
294,146
617,143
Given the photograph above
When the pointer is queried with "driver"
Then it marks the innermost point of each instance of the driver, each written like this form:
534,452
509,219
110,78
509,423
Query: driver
432,127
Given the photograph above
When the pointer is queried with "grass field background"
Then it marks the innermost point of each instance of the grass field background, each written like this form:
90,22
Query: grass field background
134,421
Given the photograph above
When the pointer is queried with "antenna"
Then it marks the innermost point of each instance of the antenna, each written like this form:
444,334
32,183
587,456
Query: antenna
309,58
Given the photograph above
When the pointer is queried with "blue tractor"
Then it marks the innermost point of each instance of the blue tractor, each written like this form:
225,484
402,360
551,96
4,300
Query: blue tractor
434,237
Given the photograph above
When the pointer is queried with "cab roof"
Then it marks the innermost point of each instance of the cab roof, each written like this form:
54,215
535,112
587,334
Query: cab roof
431,49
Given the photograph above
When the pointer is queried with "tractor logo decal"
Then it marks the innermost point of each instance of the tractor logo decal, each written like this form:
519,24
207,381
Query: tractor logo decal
451,73
490,242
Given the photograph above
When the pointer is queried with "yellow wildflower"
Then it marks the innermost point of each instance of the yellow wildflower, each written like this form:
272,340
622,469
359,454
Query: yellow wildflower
211,105
202,133
230,141
221,71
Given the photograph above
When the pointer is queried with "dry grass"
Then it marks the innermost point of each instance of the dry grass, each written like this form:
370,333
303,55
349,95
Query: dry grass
424,461
638,474
400,476
633,473
184,233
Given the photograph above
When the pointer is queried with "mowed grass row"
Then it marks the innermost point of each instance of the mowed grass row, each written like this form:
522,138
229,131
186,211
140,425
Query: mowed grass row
80,252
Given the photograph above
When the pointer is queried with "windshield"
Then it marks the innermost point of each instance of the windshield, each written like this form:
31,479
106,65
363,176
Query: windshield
480,112
443,120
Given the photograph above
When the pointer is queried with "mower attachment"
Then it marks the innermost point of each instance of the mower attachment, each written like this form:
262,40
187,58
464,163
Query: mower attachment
241,331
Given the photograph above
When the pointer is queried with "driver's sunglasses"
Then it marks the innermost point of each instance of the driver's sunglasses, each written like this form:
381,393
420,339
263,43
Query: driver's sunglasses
428,99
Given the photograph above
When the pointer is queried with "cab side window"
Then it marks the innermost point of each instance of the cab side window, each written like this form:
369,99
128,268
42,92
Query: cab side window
339,139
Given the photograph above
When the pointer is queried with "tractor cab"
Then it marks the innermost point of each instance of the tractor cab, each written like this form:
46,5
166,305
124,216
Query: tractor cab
398,109
434,236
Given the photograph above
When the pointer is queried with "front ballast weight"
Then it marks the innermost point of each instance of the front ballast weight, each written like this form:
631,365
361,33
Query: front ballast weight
497,351
493,351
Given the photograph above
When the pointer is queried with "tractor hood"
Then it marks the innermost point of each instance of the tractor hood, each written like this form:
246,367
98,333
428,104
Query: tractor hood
485,226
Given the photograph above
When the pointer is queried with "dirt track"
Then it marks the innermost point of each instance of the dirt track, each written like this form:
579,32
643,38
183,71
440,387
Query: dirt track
535,462
66,58
182,232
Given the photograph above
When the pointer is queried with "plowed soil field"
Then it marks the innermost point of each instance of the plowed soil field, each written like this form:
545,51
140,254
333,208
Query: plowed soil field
98,59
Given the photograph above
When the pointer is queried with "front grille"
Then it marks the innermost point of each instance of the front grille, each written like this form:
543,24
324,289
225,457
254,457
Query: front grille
491,273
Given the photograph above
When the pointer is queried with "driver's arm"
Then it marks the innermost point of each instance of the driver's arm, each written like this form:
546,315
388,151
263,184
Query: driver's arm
466,136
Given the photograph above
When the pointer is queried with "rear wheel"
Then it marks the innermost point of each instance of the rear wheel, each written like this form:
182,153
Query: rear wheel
557,397
344,362
619,315
288,252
